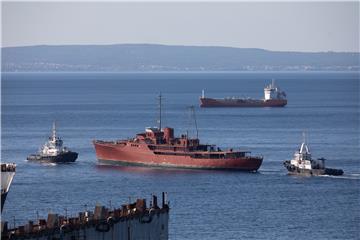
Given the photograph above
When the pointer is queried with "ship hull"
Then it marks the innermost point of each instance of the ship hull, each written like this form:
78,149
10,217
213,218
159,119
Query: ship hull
7,175
140,155
213,102
131,221
293,170
67,157
3,198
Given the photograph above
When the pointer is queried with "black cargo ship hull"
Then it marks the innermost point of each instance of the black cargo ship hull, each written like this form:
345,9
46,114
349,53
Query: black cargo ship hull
224,102
66,157
312,172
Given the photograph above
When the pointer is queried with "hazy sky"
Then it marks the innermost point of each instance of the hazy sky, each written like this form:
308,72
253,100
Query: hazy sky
285,26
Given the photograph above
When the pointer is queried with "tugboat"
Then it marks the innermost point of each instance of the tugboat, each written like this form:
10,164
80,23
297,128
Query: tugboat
273,97
303,164
53,151
158,147
7,175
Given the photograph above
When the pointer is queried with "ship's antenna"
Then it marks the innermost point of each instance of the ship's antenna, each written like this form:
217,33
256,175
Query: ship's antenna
54,130
305,142
304,137
159,121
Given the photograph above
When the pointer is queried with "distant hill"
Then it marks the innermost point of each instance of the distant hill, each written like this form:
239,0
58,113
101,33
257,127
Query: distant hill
150,57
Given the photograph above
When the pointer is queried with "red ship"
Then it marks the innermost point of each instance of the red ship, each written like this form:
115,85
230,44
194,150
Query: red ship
274,97
158,147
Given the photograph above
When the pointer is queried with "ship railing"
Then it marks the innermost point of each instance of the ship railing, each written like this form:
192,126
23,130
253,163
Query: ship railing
57,223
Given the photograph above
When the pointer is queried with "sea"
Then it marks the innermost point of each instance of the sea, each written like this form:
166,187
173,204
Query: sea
268,204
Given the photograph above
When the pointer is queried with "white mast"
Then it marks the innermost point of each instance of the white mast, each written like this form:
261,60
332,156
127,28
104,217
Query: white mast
304,137
272,83
54,131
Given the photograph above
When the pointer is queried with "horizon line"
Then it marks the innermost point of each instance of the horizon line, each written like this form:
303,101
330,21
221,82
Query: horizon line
177,45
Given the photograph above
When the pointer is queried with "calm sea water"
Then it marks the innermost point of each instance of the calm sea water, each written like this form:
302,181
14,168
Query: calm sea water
205,204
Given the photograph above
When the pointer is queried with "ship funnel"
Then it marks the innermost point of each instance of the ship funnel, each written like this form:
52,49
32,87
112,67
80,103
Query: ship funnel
168,134
203,93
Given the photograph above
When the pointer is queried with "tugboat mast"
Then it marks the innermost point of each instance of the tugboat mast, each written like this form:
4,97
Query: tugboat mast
304,137
54,131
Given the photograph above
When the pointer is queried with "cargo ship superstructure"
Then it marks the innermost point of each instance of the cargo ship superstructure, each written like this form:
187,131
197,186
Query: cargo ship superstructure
273,97
158,147
303,164
132,221
53,151
7,175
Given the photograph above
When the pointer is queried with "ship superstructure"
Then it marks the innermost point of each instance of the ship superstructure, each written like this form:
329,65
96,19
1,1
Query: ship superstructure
303,164
54,151
131,221
158,147
7,175
273,97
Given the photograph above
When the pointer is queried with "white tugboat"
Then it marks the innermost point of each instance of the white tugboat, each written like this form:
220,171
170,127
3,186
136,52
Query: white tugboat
7,175
303,164
53,151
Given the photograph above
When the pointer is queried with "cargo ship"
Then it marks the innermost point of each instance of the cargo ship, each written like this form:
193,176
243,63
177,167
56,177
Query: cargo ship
7,175
273,97
53,151
131,221
303,164
158,147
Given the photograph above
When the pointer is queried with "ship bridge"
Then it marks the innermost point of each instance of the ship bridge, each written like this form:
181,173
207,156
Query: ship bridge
273,92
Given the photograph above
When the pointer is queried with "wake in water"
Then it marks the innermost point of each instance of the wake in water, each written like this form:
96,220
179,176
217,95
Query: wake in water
353,176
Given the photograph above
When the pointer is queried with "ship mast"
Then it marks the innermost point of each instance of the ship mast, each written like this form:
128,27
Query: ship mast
54,131
159,120
192,111
304,137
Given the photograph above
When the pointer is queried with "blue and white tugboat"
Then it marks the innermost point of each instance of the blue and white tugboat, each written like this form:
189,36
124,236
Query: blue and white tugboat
53,151
303,164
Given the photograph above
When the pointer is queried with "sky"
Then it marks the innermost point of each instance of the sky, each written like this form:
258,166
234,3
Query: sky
278,26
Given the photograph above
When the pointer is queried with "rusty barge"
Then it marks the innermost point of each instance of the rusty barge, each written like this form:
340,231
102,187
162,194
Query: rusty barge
130,221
